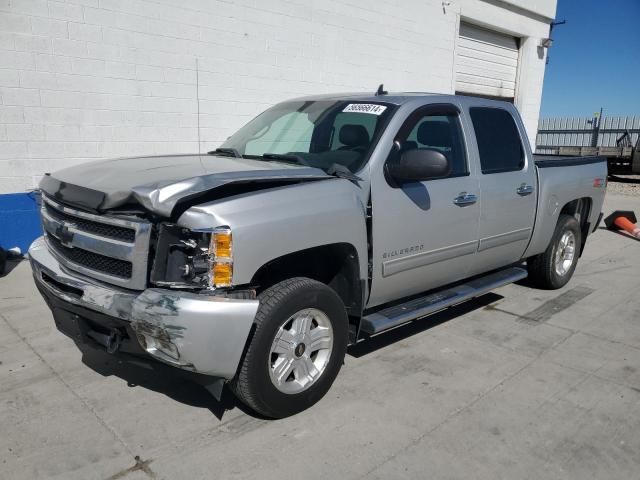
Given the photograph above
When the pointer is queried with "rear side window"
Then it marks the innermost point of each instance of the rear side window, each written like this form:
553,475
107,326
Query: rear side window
499,143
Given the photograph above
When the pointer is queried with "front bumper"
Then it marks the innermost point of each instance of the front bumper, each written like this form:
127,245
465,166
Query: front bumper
201,333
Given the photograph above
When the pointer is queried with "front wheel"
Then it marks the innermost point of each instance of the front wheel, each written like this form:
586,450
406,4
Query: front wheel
553,268
297,348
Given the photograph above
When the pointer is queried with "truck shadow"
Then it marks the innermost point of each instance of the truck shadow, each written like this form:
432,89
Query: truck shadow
188,388
619,232
614,178
184,387
407,330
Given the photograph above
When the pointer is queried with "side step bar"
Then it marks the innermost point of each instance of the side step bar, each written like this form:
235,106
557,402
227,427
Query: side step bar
391,317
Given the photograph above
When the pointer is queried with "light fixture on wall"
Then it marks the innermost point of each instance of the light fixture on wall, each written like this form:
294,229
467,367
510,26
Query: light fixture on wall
546,42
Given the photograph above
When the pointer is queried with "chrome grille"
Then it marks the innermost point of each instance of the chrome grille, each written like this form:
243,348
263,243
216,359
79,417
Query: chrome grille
102,229
113,249
94,261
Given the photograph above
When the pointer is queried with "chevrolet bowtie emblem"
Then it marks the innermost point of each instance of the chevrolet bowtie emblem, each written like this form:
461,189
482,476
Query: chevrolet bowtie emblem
64,235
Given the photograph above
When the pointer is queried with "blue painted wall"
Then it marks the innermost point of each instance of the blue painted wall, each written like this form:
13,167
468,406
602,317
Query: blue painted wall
19,221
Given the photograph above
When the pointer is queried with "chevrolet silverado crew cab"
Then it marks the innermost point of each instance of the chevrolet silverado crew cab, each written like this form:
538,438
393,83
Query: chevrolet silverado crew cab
323,221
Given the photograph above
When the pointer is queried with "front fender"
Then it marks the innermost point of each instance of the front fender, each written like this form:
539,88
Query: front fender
271,223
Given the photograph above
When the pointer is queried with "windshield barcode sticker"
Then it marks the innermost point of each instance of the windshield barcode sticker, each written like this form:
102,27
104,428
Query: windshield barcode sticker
371,108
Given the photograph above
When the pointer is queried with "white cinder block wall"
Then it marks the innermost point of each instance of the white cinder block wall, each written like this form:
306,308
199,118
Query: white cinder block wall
88,79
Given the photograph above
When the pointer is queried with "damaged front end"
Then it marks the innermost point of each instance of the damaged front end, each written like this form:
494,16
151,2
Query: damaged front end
201,333
112,246
118,270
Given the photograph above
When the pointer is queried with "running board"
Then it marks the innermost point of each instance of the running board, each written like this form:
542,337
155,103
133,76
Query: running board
391,317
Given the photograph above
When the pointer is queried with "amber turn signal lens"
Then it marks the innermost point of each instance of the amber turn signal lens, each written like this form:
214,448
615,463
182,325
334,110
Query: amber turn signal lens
222,274
221,258
221,244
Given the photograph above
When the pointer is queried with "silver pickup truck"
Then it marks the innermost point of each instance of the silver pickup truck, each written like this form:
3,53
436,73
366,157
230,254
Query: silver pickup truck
321,222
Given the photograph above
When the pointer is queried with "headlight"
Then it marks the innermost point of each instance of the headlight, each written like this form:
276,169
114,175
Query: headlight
193,258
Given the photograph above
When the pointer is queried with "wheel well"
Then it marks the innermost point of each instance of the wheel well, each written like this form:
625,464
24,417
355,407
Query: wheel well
335,265
580,208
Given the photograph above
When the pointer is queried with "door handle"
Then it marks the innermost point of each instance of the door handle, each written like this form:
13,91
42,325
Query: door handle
524,189
463,199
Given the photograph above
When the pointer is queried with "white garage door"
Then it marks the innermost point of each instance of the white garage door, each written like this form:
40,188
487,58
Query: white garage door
486,63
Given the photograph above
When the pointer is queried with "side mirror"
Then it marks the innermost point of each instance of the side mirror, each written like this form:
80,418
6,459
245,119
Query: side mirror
417,165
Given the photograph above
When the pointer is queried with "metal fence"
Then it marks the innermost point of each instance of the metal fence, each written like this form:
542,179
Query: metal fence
584,132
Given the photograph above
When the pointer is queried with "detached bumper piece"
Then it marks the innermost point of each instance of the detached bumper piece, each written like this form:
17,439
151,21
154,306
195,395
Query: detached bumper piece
200,333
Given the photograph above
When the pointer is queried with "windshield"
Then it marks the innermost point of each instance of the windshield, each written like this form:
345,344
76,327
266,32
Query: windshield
316,133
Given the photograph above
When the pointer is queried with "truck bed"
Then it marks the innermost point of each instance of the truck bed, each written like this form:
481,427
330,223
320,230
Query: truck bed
562,180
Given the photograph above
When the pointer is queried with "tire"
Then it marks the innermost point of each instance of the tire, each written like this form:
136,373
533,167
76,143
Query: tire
287,309
552,269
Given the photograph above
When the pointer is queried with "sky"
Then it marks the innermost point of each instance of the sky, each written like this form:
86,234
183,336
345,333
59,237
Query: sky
595,60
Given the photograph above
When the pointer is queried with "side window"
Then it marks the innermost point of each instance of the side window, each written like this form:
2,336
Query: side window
499,143
440,132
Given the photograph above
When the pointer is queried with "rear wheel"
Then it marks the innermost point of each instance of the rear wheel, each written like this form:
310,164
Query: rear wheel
553,268
297,348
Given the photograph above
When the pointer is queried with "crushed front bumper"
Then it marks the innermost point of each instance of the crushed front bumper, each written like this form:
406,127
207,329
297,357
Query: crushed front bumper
201,333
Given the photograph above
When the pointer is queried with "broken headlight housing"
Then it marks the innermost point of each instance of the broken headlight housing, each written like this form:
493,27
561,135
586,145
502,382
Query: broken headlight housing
193,259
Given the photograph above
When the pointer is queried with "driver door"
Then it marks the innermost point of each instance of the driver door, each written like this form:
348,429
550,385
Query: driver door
425,234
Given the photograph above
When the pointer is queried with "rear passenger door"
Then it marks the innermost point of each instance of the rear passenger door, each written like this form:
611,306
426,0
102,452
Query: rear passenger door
507,188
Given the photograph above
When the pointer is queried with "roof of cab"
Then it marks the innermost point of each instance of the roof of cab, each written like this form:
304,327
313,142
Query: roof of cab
400,98
396,98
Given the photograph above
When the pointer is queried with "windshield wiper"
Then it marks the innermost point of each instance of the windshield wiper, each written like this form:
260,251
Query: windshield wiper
227,152
340,171
335,170
286,157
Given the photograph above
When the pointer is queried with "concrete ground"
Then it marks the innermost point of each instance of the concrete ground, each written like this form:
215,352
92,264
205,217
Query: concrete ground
519,384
